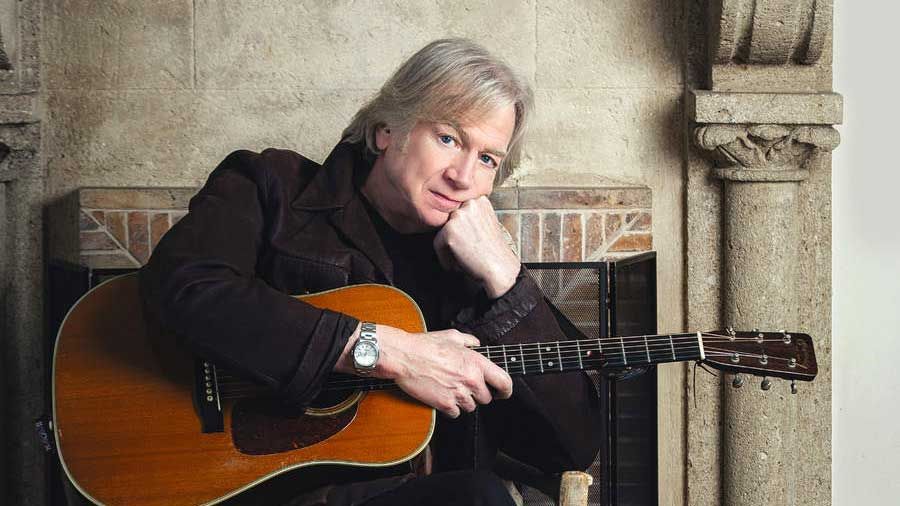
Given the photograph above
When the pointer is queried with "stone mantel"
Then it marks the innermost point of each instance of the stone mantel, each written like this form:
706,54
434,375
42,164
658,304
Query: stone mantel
765,108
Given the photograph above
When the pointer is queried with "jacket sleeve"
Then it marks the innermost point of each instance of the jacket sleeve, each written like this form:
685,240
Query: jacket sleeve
201,284
553,421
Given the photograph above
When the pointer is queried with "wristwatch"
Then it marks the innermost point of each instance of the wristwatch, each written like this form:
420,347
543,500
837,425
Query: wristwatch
365,350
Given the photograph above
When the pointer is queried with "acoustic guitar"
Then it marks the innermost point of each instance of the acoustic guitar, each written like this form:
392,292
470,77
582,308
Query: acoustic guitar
139,421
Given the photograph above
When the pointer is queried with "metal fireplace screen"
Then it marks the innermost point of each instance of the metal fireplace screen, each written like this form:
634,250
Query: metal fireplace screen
605,299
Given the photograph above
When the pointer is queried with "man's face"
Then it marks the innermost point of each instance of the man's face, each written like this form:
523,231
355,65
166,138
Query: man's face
415,187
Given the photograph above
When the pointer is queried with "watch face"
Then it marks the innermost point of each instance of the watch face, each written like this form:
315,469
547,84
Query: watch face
365,354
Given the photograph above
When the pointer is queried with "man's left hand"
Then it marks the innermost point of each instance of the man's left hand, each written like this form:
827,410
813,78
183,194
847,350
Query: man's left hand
474,241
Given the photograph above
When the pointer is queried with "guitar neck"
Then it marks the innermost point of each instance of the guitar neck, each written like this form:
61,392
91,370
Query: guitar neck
587,354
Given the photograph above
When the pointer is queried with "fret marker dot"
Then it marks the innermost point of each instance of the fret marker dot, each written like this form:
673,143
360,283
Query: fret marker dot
512,359
547,348
550,363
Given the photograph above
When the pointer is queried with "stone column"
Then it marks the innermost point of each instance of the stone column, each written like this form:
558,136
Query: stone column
762,167
760,110
22,353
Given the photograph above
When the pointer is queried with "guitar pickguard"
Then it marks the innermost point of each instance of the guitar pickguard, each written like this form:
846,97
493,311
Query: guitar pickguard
264,427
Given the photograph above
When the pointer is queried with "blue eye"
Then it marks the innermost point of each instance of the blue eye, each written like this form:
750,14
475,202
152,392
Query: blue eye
488,160
446,139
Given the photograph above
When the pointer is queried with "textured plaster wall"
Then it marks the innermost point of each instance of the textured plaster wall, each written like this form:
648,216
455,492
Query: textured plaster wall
156,93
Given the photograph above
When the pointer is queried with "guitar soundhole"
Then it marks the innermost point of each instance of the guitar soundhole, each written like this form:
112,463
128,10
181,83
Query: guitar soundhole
332,398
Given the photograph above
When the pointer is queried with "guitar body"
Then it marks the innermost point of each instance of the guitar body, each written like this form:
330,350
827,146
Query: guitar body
128,431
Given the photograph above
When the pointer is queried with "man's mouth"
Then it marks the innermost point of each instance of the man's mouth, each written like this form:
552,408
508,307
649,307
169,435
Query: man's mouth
445,203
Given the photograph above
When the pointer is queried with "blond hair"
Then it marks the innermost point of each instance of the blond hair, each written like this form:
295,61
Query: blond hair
449,80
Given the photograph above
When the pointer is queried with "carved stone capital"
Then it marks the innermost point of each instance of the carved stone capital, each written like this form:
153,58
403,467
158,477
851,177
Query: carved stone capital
764,152
773,32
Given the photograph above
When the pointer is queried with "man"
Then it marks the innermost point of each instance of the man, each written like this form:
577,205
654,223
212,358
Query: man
401,200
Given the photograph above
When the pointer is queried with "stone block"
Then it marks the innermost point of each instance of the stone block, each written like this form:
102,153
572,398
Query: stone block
505,198
119,45
608,43
177,138
777,108
626,135
267,44
18,109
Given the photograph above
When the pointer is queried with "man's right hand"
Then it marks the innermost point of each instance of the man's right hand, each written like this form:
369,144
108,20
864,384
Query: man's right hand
437,368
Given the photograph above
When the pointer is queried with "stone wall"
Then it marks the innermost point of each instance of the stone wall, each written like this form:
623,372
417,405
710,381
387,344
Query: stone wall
156,93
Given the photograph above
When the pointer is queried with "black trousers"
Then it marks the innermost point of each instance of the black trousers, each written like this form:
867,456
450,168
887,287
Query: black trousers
456,488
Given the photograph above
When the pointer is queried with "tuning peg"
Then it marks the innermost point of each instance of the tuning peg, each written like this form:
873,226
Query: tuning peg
766,384
793,386
738,381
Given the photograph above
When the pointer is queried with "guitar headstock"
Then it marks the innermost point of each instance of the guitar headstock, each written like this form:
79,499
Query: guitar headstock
787,355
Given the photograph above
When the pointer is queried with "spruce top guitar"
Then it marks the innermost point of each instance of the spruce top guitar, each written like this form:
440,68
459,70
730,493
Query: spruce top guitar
137,421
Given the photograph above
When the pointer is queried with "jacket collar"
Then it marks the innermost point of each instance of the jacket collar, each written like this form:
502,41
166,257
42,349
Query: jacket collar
335,188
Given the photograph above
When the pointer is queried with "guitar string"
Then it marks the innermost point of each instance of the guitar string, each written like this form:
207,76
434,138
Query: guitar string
568,363
362,384
638,345
529,359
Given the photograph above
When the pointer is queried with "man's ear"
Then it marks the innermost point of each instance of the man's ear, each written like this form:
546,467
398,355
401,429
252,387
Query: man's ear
383,138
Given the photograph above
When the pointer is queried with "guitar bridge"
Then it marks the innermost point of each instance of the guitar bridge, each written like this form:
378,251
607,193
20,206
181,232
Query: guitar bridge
206,396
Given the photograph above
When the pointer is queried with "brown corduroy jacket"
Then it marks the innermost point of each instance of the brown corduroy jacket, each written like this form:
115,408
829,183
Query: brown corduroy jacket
268,225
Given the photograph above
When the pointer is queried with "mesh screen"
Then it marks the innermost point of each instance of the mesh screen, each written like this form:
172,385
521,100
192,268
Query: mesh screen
576,292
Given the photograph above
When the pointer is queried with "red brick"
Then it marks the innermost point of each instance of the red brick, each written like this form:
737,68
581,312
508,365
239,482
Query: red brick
550,236
633,242
138,236
639,221
510,222
593,234
612,226
136,198
86,222
571,238
583,198
115,223
531,237
159,225
97,240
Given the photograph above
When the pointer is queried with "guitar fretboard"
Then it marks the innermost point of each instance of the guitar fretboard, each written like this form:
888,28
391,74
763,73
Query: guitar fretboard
586,354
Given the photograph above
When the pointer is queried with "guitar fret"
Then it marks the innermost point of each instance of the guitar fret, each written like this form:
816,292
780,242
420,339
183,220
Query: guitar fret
540,358
522,355
580,363
559,355
505,364
647,347
624,357
672,344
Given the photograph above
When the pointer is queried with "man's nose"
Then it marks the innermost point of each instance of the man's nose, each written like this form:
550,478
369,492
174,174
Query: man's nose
462,171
